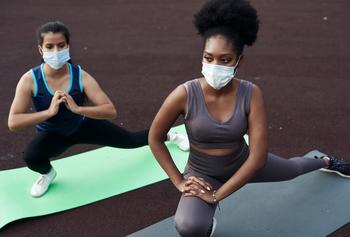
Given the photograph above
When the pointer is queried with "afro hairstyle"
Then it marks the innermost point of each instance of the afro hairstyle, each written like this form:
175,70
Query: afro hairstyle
237,20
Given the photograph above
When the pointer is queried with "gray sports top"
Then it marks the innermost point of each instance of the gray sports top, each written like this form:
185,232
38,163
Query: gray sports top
204,131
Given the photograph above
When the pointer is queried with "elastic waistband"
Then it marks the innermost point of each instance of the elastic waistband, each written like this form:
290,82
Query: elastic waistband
219,167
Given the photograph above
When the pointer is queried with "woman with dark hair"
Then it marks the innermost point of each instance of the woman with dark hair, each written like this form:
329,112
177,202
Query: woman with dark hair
58,90
218,110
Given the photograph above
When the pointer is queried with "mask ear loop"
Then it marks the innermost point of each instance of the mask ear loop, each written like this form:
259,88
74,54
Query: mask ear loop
239,58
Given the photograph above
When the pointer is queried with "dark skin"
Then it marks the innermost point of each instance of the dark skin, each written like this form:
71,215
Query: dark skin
217,50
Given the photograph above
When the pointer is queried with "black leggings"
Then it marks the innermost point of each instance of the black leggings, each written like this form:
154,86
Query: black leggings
46,145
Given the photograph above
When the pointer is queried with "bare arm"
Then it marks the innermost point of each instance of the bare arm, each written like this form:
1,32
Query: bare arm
173,106
19,117
102,107
258,147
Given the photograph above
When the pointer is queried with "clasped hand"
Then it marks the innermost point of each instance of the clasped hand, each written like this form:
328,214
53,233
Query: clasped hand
62,97
197,186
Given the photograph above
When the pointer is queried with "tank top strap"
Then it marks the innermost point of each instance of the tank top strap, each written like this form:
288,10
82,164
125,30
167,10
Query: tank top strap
39,85
194,104
244,96
76,75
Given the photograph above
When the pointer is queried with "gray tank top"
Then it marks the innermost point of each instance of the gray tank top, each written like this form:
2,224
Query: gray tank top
204,131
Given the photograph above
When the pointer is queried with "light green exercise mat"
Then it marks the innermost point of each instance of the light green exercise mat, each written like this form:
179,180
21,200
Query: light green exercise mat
102,173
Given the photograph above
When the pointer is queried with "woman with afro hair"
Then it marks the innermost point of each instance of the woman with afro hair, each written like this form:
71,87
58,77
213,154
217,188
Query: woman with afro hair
218,110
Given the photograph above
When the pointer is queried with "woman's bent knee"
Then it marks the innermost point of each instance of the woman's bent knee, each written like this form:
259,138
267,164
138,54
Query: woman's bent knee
194,227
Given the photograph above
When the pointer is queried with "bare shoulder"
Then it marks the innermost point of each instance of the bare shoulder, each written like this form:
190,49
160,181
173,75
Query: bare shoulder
176,100
28,76
178,96
89,83
256,91
26,81
86,76
180,91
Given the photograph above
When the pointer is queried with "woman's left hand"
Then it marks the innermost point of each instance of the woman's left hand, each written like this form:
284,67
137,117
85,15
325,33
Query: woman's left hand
70,103
193,188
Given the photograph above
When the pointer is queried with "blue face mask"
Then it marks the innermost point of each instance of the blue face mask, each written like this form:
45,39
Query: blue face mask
56,59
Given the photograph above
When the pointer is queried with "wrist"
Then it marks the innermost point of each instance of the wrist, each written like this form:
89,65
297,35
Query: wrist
215,199
178,184
79,110
48,114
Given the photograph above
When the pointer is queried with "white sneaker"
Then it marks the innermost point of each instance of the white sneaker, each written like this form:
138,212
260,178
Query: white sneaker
40,187
213,228
180,140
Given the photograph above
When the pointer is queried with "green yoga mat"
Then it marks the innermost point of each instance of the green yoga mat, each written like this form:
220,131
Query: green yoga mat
102,173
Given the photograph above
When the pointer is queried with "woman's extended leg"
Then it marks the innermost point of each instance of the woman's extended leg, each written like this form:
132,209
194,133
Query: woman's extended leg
103,132
281,169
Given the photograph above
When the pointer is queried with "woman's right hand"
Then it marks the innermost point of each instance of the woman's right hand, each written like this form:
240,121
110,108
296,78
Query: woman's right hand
57,99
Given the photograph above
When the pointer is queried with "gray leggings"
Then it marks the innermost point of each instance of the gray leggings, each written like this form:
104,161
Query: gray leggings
194,216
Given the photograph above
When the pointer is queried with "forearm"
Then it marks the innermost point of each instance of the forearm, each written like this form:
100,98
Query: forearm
162,155
24,120
105,111
240,178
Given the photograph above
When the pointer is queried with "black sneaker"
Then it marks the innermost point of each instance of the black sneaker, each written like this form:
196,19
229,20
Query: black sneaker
339,167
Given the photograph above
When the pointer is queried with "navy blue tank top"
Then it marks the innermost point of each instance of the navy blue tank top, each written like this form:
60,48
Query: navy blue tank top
64,122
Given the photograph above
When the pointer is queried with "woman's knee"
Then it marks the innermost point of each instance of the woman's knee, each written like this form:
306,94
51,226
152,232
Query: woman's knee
30,156
192,227
36,162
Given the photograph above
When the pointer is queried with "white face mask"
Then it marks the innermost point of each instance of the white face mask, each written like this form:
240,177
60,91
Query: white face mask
218,76
56,59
